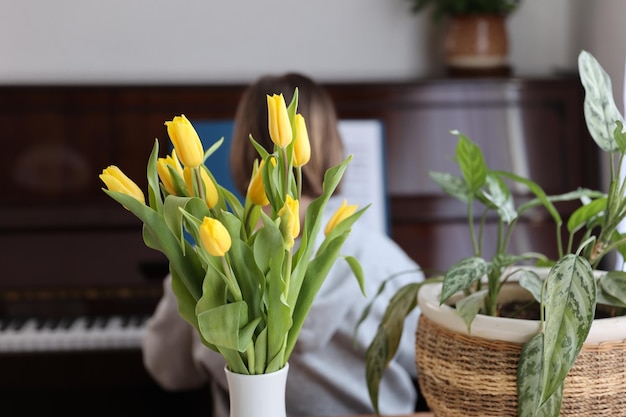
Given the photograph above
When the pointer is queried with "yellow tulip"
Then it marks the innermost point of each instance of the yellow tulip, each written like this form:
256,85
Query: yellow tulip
278,120
341,214
210,191
301,146
256,189
164,172
116,180
186,141
290,220
214,237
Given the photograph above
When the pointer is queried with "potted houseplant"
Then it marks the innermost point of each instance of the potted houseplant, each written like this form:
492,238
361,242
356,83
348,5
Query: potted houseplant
237,274
558,363
476,37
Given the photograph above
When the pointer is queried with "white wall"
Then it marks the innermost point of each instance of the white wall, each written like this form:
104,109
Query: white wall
150,41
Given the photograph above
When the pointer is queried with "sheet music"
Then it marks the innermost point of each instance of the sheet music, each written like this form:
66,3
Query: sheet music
364,180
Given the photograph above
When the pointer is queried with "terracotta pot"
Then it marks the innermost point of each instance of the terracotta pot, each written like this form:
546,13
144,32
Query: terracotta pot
476,42
464,374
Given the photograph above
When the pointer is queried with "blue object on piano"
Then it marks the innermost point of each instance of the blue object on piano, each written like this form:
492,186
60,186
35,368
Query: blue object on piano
210,131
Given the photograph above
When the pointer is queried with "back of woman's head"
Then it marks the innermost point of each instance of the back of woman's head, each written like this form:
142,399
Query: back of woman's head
317,107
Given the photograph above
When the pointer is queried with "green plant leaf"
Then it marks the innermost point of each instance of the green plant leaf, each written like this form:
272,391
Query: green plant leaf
379,291
498,194
184,300
569,301
227,326
552,406
357,271
314,277
600,110
452,185
279,314
530,281
385,344
470,158
154,195
529,377
529,383
462,275
585,213
376,363
620,136
311,228
260,352
613,283
468,307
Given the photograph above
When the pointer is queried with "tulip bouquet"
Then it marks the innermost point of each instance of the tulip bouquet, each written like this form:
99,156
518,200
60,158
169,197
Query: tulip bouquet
244,274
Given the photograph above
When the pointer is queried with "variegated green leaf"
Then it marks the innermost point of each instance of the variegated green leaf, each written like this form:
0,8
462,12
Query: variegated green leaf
552,406
529,383
600,110
498,194
530,281
614,284
452,185
570,301
529,377
385,344
462,275
469,307
375,364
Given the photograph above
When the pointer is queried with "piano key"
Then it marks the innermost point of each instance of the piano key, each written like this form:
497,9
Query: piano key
80,333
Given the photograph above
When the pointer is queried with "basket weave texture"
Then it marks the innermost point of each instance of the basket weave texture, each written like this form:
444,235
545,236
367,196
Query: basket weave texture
465,376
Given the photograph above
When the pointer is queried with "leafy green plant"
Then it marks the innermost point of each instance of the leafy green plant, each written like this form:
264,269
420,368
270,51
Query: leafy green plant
441,8
569,294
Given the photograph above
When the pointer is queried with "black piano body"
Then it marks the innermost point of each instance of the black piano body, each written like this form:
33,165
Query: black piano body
76,280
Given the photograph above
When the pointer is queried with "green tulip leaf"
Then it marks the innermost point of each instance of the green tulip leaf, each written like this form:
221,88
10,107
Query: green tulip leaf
227,326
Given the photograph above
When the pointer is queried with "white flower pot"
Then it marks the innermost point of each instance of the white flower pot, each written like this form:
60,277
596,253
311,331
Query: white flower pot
464,373
260,395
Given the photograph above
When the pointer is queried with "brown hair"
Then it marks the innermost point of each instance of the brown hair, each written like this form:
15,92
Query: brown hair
318,109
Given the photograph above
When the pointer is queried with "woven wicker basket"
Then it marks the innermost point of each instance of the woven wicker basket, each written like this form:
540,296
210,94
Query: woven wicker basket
464,375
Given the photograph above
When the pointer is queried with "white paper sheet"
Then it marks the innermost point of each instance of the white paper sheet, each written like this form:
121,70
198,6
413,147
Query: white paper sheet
364,181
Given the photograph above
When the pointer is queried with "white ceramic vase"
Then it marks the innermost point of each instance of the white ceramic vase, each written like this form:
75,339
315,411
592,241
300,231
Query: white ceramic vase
260,395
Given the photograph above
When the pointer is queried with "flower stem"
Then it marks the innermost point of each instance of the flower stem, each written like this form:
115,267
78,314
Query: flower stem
199,183
231,282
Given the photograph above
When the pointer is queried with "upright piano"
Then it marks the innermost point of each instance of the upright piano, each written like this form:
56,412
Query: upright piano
76,281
